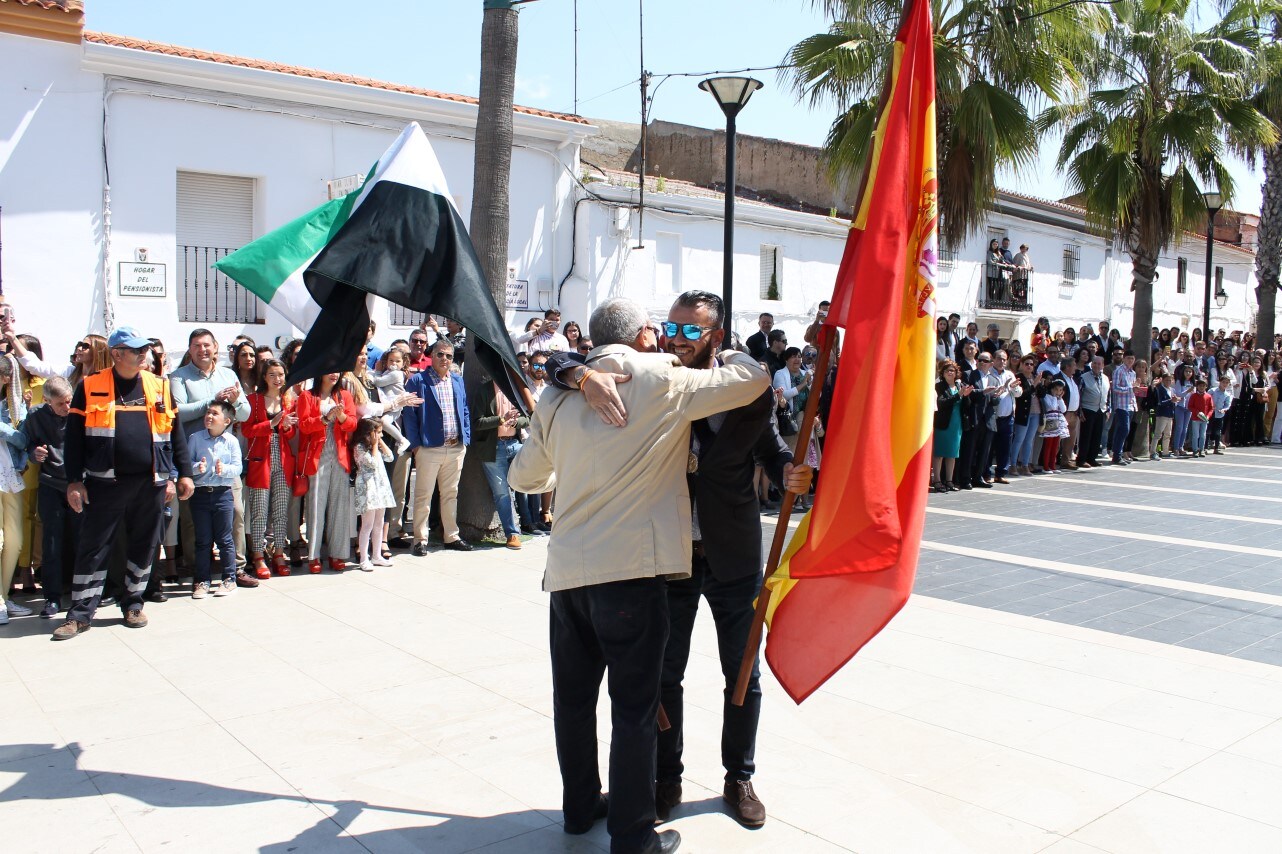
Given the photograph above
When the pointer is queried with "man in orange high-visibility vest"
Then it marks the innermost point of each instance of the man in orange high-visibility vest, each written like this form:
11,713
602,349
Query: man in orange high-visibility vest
124,462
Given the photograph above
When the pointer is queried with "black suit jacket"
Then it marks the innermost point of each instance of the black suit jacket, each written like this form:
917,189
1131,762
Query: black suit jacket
722,488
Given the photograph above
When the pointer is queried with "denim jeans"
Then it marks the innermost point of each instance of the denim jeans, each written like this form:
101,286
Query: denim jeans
1021,447
212,509
619,628
496,476
1182,417
731,603
1121,429
1197,434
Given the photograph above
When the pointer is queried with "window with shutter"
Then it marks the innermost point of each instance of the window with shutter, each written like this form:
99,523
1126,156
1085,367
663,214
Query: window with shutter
771,284
215,218
1182,275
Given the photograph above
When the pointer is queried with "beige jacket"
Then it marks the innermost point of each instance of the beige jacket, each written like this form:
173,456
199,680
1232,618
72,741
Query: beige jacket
622,503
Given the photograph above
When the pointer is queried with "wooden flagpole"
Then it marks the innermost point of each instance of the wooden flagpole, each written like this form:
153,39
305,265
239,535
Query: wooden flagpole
785,513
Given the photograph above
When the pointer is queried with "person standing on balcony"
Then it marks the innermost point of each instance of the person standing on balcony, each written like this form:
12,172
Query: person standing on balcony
1023,271
995,272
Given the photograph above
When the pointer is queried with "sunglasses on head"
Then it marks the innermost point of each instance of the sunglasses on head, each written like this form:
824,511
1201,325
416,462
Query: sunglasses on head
689,331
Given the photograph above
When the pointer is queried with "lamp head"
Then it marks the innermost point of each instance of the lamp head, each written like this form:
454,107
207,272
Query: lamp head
732,93
1214,201
1221,298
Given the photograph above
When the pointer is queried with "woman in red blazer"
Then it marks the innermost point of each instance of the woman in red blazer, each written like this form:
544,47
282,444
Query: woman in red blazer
326,419
269,468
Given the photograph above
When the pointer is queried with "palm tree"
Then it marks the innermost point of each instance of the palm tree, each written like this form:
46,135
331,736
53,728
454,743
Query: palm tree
1140,151
1268,252
490,213
993,58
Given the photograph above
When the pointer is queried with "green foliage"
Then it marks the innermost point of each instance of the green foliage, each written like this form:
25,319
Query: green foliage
995,62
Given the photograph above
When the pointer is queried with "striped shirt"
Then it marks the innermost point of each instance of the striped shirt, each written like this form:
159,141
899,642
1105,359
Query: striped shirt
443,391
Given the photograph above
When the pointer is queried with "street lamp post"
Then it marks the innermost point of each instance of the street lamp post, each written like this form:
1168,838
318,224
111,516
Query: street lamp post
732,94
1214,201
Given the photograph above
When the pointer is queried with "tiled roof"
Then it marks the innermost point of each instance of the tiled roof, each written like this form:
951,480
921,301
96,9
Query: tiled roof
298,71
64,5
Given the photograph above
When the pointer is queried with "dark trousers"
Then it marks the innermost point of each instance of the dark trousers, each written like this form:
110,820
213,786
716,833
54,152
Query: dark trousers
58,521
620,627
983,449
137,501
961,471
1001,444
1214,431
1121,429
731,603
1092,438
212,511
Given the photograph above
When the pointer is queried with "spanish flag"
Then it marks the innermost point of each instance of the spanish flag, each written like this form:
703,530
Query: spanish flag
849,567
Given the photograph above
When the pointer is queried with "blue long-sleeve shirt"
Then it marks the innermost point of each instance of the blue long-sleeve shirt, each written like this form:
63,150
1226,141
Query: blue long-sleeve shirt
222,447
192,392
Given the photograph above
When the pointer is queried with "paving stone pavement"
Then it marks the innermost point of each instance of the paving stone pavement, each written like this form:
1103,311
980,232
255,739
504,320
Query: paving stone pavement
409,709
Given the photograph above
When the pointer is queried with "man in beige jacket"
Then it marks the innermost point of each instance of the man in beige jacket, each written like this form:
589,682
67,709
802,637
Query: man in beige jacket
623,526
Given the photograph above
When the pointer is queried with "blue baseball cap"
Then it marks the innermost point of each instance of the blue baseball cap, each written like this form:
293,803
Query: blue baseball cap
127,336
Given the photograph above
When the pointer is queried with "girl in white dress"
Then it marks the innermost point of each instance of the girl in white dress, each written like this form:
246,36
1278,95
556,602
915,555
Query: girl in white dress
373,491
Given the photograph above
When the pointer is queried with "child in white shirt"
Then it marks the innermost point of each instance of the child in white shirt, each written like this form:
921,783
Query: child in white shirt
389,378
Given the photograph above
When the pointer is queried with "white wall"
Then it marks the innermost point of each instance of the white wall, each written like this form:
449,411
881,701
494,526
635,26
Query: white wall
50,190
51,186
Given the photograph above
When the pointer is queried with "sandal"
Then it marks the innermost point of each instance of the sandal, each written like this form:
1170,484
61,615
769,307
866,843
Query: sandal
386,553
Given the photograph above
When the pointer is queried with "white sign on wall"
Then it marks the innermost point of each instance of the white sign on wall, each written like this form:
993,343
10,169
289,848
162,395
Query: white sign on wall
142,279
339,187
518,291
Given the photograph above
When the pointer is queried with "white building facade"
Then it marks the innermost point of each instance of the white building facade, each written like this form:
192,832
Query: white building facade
128,167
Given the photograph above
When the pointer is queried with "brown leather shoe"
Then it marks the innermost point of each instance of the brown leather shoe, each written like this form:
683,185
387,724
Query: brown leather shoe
746,806
514,542
666,797
244,579
1000,480
70,629
136,619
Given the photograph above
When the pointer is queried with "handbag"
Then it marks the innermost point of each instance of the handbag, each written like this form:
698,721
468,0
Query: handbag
787,420
301,481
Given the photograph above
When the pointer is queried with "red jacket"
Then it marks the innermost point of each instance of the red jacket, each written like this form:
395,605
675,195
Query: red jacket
1200,401
312,428
258,459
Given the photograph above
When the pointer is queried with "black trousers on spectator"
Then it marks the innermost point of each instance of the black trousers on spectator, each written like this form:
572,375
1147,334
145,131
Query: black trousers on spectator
620,628
983,450
1215,431
961,471
1092,438
138,503
58,522
731,603
1001,444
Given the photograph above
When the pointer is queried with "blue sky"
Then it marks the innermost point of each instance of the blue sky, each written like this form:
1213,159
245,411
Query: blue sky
436,44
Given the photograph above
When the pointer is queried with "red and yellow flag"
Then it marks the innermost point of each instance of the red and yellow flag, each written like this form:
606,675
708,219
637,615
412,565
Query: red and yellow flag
849,567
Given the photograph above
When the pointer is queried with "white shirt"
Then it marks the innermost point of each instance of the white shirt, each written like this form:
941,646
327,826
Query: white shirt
1006,396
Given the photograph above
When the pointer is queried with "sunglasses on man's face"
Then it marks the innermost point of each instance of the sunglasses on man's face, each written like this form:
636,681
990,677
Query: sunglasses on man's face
690,331
538,368
444,357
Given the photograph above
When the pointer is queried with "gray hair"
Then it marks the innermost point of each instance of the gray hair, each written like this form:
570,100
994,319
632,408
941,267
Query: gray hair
617,321
57,387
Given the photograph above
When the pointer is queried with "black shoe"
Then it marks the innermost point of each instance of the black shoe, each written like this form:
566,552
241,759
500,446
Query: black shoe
666,797
459,546
158,596
967,486
50,610
665,842
401,542
544,527
601,811
419,550
529,529
983,484
107,601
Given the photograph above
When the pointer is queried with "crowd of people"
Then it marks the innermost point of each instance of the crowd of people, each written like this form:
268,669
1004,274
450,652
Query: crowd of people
1078,398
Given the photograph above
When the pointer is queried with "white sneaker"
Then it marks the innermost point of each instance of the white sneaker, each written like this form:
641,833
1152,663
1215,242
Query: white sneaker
382,561
226,588
365,566
201,590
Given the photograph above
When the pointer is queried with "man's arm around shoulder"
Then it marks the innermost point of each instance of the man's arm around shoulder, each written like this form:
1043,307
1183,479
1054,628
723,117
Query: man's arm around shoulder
734,383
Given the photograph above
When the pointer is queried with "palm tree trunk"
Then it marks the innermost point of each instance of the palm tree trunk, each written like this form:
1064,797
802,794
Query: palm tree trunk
1268,248
1143,272
489,222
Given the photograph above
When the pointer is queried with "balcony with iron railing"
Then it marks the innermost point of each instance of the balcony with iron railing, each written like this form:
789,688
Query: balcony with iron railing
206,295
1002,291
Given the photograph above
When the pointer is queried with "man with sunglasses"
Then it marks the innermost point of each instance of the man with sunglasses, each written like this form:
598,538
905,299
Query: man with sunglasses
439,432
726,566
123,443
622,530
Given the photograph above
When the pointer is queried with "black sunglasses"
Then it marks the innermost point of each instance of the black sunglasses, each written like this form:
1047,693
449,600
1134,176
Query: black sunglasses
445,357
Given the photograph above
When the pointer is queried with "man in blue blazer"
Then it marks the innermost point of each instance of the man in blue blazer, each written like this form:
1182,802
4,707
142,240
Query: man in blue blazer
439,432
